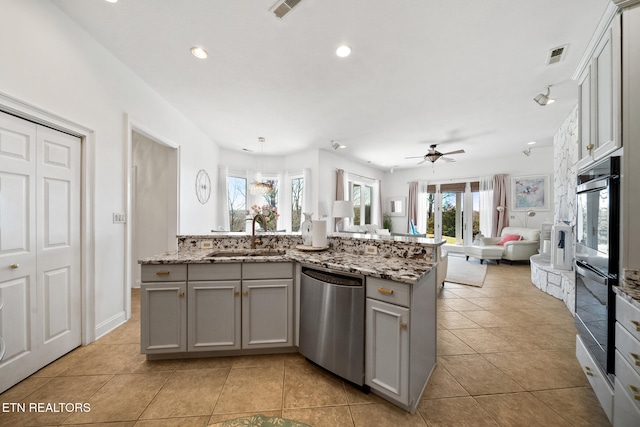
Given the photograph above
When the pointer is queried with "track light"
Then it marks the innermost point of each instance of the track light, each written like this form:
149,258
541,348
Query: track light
336,146
543,98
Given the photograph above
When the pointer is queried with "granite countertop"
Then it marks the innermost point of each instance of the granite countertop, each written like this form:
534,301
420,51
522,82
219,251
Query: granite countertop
407,270
630,288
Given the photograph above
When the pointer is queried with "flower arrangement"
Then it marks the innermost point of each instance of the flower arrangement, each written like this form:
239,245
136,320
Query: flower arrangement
269,213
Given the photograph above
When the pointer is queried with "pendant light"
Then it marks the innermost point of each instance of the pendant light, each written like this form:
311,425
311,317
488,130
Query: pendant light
260,188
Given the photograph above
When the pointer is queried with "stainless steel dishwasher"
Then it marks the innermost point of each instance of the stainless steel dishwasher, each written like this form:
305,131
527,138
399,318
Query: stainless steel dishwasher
332,321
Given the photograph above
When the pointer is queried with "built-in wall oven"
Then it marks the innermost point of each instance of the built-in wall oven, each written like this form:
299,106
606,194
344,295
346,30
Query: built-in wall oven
596,260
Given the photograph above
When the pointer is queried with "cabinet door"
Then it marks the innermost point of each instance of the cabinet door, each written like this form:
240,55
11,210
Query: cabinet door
606,70
585,120
163,317
267,313
214,315
387,349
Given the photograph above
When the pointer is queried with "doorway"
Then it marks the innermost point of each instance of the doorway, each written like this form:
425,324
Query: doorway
154,199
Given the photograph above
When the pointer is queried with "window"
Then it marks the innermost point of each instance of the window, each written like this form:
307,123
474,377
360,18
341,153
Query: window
297,191
237,193
361,196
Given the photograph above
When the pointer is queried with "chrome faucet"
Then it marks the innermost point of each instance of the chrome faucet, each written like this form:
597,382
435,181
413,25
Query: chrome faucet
253,230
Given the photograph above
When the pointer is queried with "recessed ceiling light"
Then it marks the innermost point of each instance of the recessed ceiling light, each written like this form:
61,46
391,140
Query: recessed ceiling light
112,1
531,142
343,51
199,52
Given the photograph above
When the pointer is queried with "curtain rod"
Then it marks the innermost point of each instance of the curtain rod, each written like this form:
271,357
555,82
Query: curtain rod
473,178
360,176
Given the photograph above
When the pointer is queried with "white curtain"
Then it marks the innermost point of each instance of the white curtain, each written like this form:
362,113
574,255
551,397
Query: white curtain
284,202
376,204
223,198
306,192
486,205
421,224
412,208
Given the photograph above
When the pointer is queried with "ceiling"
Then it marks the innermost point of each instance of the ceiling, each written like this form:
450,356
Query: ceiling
459,73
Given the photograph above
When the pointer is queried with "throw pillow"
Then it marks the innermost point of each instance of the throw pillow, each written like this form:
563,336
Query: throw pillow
508,238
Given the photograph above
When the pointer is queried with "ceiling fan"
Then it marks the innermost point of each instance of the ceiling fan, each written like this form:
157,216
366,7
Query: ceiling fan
434,155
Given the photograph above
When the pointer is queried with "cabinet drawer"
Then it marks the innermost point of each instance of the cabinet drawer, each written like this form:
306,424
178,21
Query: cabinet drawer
625,411
598,382
628,316
629,347
267,270
629,378
164,273
389,291
225,271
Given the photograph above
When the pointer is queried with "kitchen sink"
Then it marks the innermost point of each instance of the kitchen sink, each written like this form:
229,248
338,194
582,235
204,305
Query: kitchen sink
246,253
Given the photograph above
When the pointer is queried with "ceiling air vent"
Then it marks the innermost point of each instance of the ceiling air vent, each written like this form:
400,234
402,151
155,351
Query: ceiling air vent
281,8
556,54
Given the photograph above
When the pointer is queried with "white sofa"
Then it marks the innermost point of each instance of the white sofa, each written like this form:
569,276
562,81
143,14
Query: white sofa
515,250
442,266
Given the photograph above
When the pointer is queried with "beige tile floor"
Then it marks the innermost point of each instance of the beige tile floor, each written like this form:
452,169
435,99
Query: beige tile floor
506,357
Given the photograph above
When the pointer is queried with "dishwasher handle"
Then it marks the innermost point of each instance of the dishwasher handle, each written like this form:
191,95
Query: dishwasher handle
332,278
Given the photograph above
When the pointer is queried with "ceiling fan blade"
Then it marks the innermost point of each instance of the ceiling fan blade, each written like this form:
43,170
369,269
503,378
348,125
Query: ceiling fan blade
453,152
423,160
415,157
447,159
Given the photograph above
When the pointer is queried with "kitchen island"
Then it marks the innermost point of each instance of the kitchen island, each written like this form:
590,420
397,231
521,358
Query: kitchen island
215,297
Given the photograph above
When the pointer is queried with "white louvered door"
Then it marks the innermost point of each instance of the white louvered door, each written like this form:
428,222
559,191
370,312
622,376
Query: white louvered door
39,247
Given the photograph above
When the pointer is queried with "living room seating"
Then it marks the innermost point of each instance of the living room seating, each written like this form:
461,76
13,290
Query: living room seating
514,244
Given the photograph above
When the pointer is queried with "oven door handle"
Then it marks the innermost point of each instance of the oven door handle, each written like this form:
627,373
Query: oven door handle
589,272
596,184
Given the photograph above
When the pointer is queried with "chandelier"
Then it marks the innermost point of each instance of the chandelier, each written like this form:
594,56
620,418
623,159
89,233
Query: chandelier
260,188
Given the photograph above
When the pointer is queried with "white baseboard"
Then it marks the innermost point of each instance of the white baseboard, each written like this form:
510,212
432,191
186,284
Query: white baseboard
110,324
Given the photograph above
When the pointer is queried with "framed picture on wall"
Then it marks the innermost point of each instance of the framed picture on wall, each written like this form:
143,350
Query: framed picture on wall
530,193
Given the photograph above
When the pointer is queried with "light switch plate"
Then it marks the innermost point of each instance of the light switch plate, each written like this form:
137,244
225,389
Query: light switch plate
371,250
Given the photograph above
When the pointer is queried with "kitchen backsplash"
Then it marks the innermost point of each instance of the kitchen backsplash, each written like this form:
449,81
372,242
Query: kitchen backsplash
402,247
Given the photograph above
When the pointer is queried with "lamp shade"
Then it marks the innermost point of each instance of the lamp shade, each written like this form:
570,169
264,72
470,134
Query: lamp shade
342,209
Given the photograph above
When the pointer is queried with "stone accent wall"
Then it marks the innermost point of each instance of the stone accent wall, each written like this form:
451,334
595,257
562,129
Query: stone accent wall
560,283
557,283
565,153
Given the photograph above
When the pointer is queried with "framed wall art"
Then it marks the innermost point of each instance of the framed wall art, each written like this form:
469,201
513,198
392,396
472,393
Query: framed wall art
530,193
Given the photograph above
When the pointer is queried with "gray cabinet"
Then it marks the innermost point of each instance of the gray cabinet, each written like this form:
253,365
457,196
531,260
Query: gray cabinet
387,349
214,312
163,309
599,77
267,305
400,338
222,306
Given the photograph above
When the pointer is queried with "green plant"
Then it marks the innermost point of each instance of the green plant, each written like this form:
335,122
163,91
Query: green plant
386,222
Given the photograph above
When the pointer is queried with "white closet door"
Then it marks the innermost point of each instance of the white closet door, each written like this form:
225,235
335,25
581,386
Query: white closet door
39,247
17,248
58,241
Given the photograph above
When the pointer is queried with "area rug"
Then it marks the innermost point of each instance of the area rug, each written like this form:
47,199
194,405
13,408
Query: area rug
259,421
464,272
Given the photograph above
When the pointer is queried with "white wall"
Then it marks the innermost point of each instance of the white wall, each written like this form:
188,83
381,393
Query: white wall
464,169
51,63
